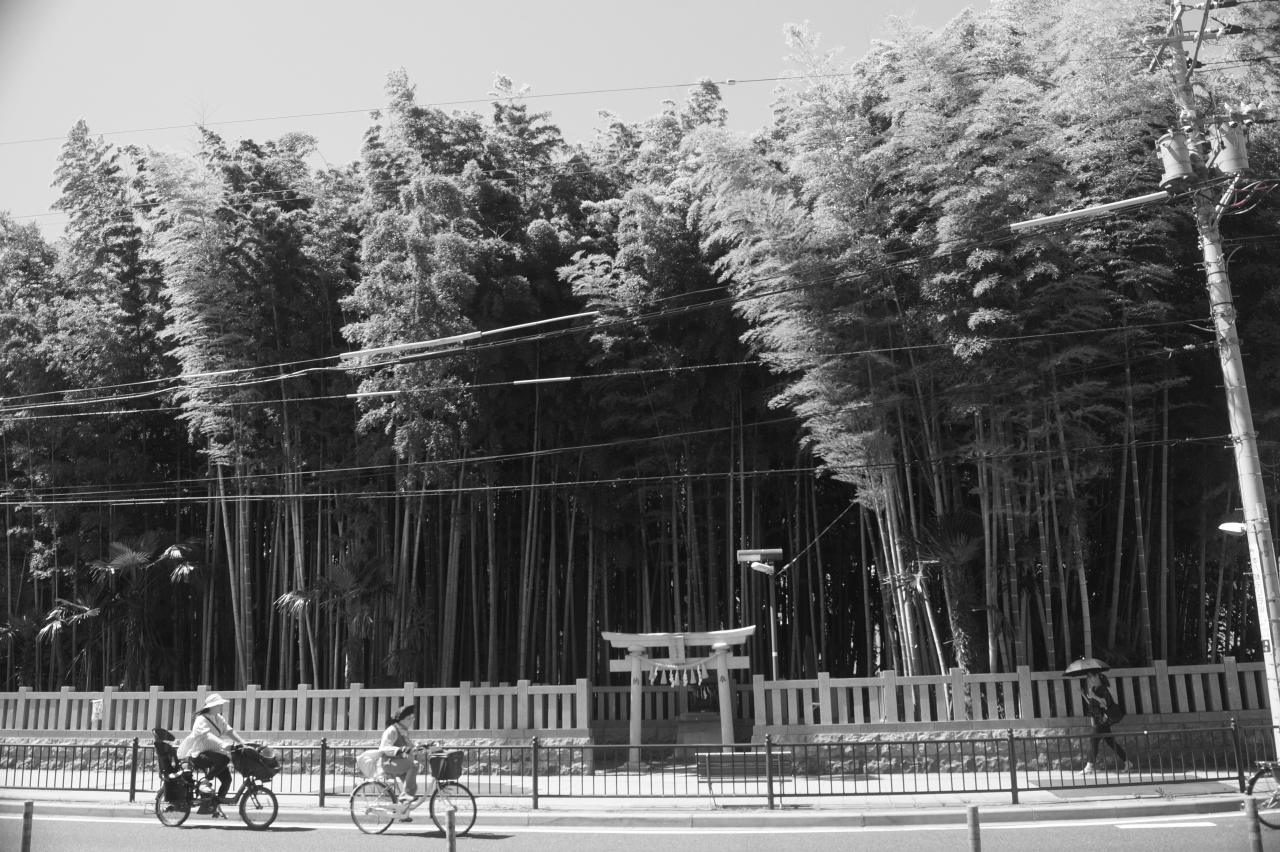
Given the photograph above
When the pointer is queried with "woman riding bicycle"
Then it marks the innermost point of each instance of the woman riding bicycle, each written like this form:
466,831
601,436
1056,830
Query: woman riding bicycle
209,742
396,749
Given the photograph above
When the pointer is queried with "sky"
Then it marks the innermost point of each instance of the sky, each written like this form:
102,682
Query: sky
261,68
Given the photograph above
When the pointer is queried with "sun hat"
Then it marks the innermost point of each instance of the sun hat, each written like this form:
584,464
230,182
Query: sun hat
214,700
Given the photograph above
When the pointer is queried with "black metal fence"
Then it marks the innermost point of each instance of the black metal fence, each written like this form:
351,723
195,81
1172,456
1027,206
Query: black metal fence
766,773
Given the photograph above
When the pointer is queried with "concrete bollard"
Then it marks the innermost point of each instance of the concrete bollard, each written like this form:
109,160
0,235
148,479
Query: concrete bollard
451,829
27,809
975,834
1251,817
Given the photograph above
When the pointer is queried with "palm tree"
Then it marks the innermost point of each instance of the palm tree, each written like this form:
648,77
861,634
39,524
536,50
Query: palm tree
131,583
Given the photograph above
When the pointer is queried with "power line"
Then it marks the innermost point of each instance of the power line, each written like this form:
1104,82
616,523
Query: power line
327,474
992,238
437,104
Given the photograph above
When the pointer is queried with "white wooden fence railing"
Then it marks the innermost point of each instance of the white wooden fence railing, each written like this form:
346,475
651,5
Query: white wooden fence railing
481,711
1025,697
955,701
658,703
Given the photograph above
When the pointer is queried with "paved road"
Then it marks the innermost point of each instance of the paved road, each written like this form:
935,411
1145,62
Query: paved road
1201,834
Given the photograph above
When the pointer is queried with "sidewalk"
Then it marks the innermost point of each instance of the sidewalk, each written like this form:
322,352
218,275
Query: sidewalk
794,811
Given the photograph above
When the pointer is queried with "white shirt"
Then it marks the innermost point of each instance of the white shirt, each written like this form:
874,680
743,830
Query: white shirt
209,732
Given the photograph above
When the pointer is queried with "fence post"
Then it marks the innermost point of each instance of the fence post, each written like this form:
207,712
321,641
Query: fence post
535,773
1013,768
64,709
1251,818
1026,694
22,708
1231,674
250,721
302,710
133,772
522,705
107,722
1164,696
324,762
824,699
768,767
958,711
583,703
1235,741
153,708
889,696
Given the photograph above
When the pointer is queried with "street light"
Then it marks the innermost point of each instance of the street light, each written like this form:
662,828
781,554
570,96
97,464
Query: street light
1234,523
762,560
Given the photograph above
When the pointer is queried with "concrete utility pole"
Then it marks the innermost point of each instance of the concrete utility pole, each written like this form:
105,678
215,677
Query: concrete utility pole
1220,142
1207,159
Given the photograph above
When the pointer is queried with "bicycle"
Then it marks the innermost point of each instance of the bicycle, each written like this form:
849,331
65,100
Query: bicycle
376,803
182,790
1268,810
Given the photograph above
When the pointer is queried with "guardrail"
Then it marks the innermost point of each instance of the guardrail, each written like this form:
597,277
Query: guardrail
1007,763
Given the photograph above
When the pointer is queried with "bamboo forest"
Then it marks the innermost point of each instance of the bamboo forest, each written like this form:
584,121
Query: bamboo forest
635,355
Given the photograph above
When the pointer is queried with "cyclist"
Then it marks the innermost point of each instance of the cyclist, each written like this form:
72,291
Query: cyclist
208,743
396,749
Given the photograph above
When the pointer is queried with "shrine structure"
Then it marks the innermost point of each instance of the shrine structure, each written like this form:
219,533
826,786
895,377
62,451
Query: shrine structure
680,666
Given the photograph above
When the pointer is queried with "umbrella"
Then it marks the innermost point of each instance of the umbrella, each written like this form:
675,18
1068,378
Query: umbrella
1086,665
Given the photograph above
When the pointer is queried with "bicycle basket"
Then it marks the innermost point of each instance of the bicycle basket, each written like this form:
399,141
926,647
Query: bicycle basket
258,762
447,766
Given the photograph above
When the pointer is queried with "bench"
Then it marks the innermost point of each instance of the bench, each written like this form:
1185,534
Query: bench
734,766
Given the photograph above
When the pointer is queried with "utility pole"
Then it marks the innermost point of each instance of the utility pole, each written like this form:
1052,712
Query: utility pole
1203,146
1207,159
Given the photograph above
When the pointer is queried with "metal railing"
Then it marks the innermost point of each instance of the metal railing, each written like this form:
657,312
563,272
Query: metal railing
765,772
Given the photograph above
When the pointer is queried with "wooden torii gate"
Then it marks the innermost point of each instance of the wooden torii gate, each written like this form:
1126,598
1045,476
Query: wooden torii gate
639,661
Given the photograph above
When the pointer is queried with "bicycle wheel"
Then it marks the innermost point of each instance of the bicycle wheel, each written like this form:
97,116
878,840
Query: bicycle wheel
258,807
452,794
1268,808
372,807
170,814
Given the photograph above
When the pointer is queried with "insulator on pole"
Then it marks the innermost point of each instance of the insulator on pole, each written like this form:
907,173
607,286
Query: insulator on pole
1176,159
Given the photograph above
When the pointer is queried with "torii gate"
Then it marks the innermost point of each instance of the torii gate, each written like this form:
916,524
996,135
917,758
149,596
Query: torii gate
678,644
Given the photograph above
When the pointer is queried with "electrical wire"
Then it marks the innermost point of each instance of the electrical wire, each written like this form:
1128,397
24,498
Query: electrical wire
327,473
993,237
437,104
126,497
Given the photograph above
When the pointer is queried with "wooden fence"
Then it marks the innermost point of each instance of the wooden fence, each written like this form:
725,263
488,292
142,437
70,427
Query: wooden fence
659,703
1019,699
506,712
948,702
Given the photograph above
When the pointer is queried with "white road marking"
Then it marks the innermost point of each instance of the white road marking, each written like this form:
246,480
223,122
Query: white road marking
425,826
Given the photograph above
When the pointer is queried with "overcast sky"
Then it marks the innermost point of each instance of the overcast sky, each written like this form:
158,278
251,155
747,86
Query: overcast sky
134,65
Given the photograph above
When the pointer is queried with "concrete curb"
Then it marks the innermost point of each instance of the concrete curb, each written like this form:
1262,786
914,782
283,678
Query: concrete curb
720,819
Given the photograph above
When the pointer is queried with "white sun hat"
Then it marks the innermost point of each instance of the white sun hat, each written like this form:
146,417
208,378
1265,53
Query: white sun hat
214,700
